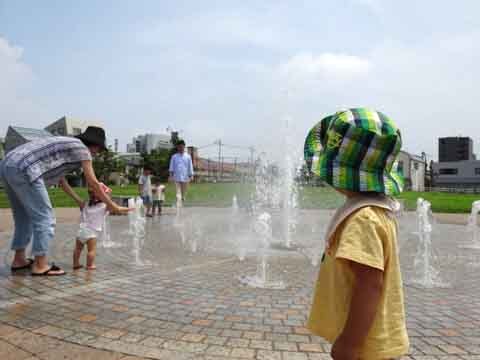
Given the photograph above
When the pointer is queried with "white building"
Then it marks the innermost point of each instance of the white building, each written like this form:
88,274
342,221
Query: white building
67,126
148,142
414,169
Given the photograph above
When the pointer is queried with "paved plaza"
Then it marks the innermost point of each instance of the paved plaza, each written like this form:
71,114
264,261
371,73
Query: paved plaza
185,305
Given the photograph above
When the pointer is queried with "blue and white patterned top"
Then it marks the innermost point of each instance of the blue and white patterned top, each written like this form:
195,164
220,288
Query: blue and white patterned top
181,166
49,158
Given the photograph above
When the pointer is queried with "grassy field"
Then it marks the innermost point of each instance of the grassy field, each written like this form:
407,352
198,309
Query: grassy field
442,202
309,197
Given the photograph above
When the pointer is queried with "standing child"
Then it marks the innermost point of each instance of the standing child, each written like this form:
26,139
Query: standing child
92,225
358,304
158,192
145,189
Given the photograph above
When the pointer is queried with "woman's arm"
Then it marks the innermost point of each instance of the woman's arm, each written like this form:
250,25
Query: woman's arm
70,192
97,189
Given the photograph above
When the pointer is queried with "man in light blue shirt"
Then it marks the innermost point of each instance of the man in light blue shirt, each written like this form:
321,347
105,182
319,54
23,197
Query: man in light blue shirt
181,170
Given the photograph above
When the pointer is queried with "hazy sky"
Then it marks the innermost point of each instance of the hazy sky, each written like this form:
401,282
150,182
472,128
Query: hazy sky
236,70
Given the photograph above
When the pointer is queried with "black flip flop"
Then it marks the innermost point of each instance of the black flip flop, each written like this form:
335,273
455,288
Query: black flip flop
78,267
47,272
24,267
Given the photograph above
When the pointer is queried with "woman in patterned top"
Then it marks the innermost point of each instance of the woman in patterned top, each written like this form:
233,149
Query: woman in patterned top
26,172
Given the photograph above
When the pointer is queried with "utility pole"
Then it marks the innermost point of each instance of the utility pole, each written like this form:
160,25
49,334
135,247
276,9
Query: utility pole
208,169
235,168
252,157
220,165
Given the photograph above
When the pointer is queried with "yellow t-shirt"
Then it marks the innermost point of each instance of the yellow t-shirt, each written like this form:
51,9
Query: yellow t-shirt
368,237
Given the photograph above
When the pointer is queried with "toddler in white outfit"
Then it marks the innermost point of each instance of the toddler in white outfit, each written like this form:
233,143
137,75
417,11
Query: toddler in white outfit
92,225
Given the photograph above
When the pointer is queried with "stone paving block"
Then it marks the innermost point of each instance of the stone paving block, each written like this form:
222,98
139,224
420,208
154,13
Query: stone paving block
472,349
196,338
240,343
242,327
88,318
282,329
243,353
253,335
202,322
298,338
219,351
261,344
269,355
294,356
211,331
151,341
431,350
80,338
54,332
10,352
135,319
300,330
114,334
184,346
311,347
215,340
75,352
7,330
285,346
231,333
452,349
132,337
319,357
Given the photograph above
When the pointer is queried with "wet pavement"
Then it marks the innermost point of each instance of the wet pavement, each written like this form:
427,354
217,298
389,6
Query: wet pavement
184,305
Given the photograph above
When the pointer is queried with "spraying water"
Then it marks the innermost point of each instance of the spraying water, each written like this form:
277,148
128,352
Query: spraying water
233,228
137,224
425,273
263,228
179,221
289,189
472,226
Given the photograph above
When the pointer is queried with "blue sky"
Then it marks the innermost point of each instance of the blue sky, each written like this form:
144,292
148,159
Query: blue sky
235,70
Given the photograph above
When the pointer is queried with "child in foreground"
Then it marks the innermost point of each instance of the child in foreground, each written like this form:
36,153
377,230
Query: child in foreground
92,225
358,304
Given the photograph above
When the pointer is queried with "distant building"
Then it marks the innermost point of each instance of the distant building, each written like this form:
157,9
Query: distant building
207,170
17,136
66,126
413,168
131,159
456,174
148,142
455,149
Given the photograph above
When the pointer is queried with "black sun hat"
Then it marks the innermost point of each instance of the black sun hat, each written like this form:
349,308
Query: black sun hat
93,135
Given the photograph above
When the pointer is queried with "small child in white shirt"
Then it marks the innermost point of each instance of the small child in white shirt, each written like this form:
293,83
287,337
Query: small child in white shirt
158,192
92,225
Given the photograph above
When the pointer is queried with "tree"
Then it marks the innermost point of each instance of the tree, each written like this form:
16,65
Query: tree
159,161
105,163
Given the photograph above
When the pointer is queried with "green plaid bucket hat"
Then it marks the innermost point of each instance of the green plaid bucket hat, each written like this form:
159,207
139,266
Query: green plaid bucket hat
356,150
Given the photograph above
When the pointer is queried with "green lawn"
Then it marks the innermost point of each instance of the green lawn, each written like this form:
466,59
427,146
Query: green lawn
309,197
442,202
